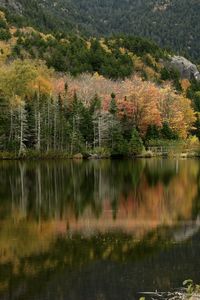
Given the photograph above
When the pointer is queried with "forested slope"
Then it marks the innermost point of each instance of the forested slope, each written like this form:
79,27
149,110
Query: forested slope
65,94
173,24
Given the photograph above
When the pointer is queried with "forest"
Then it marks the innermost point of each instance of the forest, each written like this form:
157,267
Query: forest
99,149
173,24
44,112
63,95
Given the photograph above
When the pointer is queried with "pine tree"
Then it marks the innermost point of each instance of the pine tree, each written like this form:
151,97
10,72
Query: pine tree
113,105
167,132
31,137
152,133
4,123
135,144
118,145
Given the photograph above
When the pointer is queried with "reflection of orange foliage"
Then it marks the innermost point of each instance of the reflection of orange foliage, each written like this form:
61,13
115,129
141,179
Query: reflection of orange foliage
24,238
148,206
139,209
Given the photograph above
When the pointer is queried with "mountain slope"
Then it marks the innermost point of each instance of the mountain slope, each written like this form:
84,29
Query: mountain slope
173,23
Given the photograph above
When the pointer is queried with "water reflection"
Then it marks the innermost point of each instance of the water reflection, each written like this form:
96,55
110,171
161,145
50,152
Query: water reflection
150,191
60,217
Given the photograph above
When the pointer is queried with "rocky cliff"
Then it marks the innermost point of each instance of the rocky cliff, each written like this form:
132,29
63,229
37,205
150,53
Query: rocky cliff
185,67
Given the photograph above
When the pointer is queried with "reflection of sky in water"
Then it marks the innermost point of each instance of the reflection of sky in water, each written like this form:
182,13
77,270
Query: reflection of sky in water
72,217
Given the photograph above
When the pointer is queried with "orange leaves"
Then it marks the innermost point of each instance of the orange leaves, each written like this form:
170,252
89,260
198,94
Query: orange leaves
42,84
142,102
59,86
43,80
184,117
125,108
177,111
185,84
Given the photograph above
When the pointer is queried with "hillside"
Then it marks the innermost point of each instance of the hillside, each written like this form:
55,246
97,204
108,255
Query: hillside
116,57
171,23
63,94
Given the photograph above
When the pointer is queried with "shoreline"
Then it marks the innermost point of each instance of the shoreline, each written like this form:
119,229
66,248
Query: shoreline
81,157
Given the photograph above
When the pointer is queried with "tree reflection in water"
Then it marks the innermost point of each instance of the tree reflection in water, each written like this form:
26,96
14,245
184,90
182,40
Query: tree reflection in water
61,216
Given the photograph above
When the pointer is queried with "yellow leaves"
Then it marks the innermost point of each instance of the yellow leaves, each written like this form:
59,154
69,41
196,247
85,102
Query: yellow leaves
185,84
88,44
177,111
27,30
150,59
193,142
96,75
2,16
122,50
43,85
104,46
22,79
5,50
16,101
17,77
150,73
184,116
47,37
138,63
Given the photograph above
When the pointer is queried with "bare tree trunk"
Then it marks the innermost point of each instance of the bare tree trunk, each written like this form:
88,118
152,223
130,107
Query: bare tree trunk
23,200
38,122
94,142
11,125
21,147
48,126
38,131
72,141
38,192
55,129
99,130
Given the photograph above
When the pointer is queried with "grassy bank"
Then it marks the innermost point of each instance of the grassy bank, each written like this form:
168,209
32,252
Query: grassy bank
35,155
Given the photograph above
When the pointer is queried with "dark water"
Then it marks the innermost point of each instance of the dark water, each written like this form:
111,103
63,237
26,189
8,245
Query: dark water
98,230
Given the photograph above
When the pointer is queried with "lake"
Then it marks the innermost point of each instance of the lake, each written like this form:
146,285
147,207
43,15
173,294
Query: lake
98,230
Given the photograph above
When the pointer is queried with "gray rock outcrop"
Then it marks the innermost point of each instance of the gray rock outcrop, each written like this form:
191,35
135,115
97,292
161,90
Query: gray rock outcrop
185,67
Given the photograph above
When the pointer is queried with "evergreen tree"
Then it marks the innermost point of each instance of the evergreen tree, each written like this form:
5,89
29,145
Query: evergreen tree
167,132
4,123
31,134
113,105
118,145
135,144
152,133
95,104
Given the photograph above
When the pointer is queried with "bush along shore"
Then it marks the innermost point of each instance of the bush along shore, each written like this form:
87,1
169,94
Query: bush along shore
177,149
189,291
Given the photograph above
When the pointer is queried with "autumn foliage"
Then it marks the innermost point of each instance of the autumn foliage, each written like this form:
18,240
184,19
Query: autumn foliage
142,102
46,111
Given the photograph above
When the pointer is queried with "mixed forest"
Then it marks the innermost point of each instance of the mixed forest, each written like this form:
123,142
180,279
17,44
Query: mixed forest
64,94
171,23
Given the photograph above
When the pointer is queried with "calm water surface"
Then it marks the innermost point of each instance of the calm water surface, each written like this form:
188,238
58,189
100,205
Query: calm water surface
98,230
